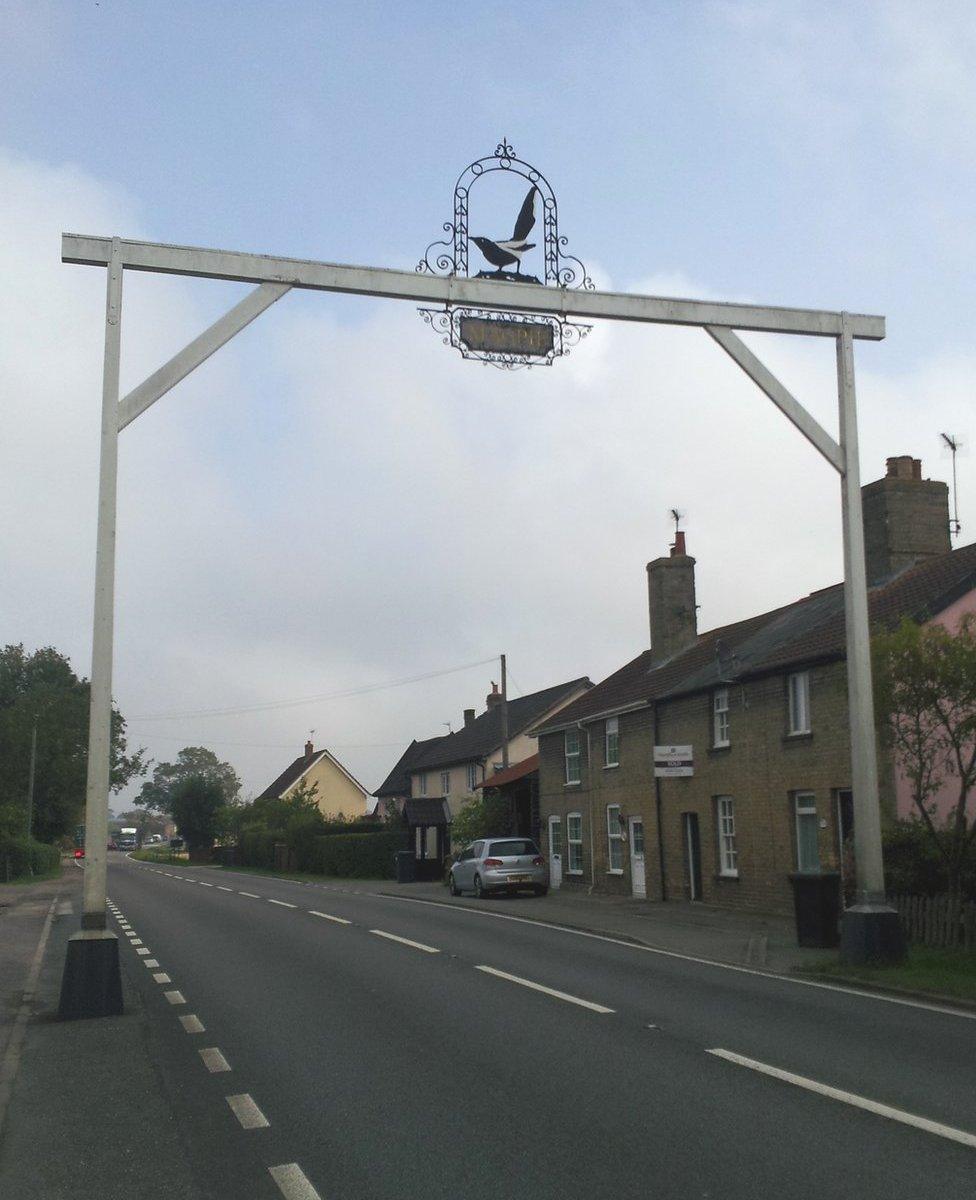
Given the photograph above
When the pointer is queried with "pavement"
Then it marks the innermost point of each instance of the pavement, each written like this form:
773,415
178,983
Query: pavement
383,1039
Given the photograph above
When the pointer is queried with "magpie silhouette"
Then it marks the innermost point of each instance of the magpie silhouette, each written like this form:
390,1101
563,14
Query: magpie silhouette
504,254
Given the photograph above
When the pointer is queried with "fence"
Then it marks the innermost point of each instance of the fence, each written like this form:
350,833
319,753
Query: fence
926,920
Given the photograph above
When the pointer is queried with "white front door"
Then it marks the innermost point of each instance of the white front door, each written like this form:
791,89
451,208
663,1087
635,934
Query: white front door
638,878
555,852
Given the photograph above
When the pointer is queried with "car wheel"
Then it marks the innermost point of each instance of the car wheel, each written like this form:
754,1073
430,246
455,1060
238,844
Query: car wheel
540,891
479,890
455,890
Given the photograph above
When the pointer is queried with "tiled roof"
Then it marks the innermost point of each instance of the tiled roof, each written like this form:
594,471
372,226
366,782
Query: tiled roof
516,771
427,810
809,630
290,774
475,741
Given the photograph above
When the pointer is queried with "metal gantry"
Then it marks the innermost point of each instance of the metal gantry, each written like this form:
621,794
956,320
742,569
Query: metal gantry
274,277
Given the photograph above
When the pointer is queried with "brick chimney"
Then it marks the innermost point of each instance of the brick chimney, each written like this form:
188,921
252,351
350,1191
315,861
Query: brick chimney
494,696
671,601
906,518
468,717
309,749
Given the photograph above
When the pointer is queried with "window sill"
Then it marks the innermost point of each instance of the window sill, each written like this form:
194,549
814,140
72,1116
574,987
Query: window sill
726,877
615,871
803,736
574,872
573,783
611,766
720,750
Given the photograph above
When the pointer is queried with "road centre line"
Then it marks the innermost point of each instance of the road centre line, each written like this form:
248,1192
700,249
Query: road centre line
191,1023
329,917
221,888
538,987
943,1010
283,903
175,997
247,1112
293,1182
405,941
872,1106
202,883
213,1060
252,895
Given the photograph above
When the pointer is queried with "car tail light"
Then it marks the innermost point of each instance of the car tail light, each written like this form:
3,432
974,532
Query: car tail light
494,862
538,861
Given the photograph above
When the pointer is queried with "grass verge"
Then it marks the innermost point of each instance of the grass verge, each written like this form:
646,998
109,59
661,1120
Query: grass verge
950,973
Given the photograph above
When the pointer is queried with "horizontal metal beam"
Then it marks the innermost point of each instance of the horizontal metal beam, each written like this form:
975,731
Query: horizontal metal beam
198,351
434,289
814,432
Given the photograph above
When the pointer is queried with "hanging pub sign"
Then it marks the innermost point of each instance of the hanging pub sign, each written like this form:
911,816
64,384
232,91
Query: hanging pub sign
500,336
673,762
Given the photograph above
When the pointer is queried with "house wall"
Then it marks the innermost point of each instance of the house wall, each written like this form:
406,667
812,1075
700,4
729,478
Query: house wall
337,793
760,770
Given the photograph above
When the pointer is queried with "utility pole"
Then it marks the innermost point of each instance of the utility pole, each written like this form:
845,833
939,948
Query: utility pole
504,715
30,782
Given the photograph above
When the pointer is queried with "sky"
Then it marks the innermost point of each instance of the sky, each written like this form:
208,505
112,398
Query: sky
336,502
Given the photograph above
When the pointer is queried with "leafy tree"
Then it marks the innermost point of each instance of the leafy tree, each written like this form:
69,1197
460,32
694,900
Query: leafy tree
194,804
41,689
192,762
292,817
491,814
925,679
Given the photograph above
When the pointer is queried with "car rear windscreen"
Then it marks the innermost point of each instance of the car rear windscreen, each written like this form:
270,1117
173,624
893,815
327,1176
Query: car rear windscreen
510,849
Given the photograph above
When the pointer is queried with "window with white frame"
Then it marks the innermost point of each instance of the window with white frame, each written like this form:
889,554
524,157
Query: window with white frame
728,855
572,753
472,776
422,783
574,839
799,693
720,717
445,783
615,840
807,838
611,742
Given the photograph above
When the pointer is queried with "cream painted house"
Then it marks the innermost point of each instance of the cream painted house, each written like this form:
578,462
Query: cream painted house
339,793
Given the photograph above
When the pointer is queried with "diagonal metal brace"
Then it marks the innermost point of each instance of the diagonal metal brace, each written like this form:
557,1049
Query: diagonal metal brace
198,351
815,433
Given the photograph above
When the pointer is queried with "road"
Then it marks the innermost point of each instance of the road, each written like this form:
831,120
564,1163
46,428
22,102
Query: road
378,1047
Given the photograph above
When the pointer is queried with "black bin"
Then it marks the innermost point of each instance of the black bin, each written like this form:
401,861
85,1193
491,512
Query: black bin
406,866
816,898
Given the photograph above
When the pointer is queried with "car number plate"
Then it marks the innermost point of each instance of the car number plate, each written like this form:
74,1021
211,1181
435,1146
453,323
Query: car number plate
517,878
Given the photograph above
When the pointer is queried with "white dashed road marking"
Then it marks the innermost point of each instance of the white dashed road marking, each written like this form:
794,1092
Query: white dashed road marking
175,997
872,1106
330,917
252,895
135,941
405,941
221,888
150,962
192,1023
247,1112
283,903
162,977
214,1061
538,987
202,884
142,950
293,1182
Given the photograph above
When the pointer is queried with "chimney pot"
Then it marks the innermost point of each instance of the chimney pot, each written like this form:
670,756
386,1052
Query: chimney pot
494,696
679,543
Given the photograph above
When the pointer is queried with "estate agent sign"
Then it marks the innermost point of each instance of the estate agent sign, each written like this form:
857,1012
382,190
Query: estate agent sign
672,762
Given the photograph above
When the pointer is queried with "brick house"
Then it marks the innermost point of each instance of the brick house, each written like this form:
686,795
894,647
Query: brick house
763,705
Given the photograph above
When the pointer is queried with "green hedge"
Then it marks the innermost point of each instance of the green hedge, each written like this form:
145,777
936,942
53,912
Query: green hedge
20,858
257,848
357,855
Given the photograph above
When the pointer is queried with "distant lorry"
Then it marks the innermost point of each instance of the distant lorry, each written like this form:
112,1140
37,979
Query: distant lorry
127,838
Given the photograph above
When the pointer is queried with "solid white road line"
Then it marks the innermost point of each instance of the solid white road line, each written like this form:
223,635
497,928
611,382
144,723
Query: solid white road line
175,997
329,917
213,1060
944,1009
252,895
192,1023
221,888
405,941
872,1106
162,977
150,962
538,987
283,903
293,1182
247,1112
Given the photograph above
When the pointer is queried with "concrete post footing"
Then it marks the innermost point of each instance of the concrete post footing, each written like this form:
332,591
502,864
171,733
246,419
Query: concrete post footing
91,985
871,934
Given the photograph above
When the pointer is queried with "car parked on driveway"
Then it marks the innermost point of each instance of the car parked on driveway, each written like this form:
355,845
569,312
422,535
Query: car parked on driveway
500,864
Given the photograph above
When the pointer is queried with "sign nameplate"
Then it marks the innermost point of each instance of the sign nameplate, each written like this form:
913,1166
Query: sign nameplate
673,762
488,336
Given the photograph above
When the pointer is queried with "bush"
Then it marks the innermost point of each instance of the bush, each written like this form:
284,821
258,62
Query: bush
914,866
20,858
356,855
257,848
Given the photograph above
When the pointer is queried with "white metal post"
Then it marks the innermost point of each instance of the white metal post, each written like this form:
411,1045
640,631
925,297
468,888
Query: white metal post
864,754
100,713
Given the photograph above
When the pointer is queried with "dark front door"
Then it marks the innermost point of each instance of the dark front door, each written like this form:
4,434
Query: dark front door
692,842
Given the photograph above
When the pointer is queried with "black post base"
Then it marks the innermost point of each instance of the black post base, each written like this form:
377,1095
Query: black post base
91,985
871,935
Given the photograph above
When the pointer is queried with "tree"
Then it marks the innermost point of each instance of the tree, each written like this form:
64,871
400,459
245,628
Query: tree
192,762
293,817
492,813
42,690
925,681
195,803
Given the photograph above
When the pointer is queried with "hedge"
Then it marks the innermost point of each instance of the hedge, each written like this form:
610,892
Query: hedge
357,855
20,858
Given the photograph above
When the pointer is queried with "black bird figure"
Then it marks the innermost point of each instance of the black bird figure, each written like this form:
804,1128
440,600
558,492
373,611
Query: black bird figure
504,254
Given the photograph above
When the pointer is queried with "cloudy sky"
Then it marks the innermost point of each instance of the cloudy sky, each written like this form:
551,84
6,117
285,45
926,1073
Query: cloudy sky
336,501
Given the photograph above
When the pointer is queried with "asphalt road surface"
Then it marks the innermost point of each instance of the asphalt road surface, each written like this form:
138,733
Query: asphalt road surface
340,1043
